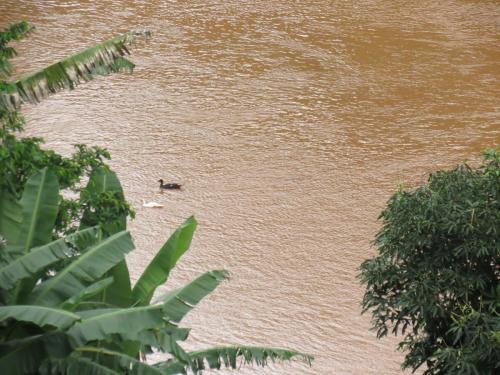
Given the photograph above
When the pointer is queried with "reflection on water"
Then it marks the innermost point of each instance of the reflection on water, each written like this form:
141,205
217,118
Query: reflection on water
289,126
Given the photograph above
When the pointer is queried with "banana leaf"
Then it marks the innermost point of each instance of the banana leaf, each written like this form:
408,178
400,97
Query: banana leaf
158,270
104,180
128,364
229,357
180,301
83,271
39,315
100,59
40,202
10,216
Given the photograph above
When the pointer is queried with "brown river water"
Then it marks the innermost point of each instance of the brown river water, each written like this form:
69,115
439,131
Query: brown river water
289,124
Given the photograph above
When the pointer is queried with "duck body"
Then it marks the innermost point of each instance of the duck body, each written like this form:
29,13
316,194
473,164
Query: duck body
171,186
151,204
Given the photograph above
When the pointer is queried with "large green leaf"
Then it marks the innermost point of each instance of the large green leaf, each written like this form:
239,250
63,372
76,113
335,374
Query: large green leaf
100,59
104,180
128,365
164,339
84,238
75,365
39,315
10,216
32,263
158,270
180,301
39,203
126,322
87,293
228,356
24,356
82,271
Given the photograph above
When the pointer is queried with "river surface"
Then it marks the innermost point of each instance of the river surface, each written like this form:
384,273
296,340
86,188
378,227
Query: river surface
289,124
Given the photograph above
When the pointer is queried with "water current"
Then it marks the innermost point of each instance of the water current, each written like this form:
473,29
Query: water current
289,124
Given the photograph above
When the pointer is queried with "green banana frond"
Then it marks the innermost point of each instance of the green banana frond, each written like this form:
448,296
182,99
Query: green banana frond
179,302
159,268
117,360
75,365
87,268
230,357
39,315
101,59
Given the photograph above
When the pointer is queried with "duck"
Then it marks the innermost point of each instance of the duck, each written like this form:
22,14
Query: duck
171,186
151,204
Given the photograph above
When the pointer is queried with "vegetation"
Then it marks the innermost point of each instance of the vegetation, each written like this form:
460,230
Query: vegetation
20,158
436,278
60,320
66,301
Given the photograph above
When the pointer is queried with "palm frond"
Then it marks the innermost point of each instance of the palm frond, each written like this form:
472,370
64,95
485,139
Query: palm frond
100,59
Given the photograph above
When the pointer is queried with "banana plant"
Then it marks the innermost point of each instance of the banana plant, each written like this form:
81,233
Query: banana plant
52,323
100,59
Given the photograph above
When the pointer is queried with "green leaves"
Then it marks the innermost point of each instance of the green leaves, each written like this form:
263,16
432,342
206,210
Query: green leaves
86,268
31,264
39,315
126,322
229,357
439,251
180,301
105,205
39,209
100,59
66,304
15,31
10,216
158,270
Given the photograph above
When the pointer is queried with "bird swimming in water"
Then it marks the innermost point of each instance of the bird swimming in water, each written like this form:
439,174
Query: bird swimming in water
151,204
171,186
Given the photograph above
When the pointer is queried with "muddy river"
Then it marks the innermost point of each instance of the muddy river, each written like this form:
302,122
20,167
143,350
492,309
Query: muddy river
289,124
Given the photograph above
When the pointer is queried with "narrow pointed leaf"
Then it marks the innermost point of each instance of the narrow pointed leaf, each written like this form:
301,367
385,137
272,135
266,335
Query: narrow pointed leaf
84,270
39,315
180,301
39,203
158,270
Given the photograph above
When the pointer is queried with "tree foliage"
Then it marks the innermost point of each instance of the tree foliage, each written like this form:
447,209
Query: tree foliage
436,278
